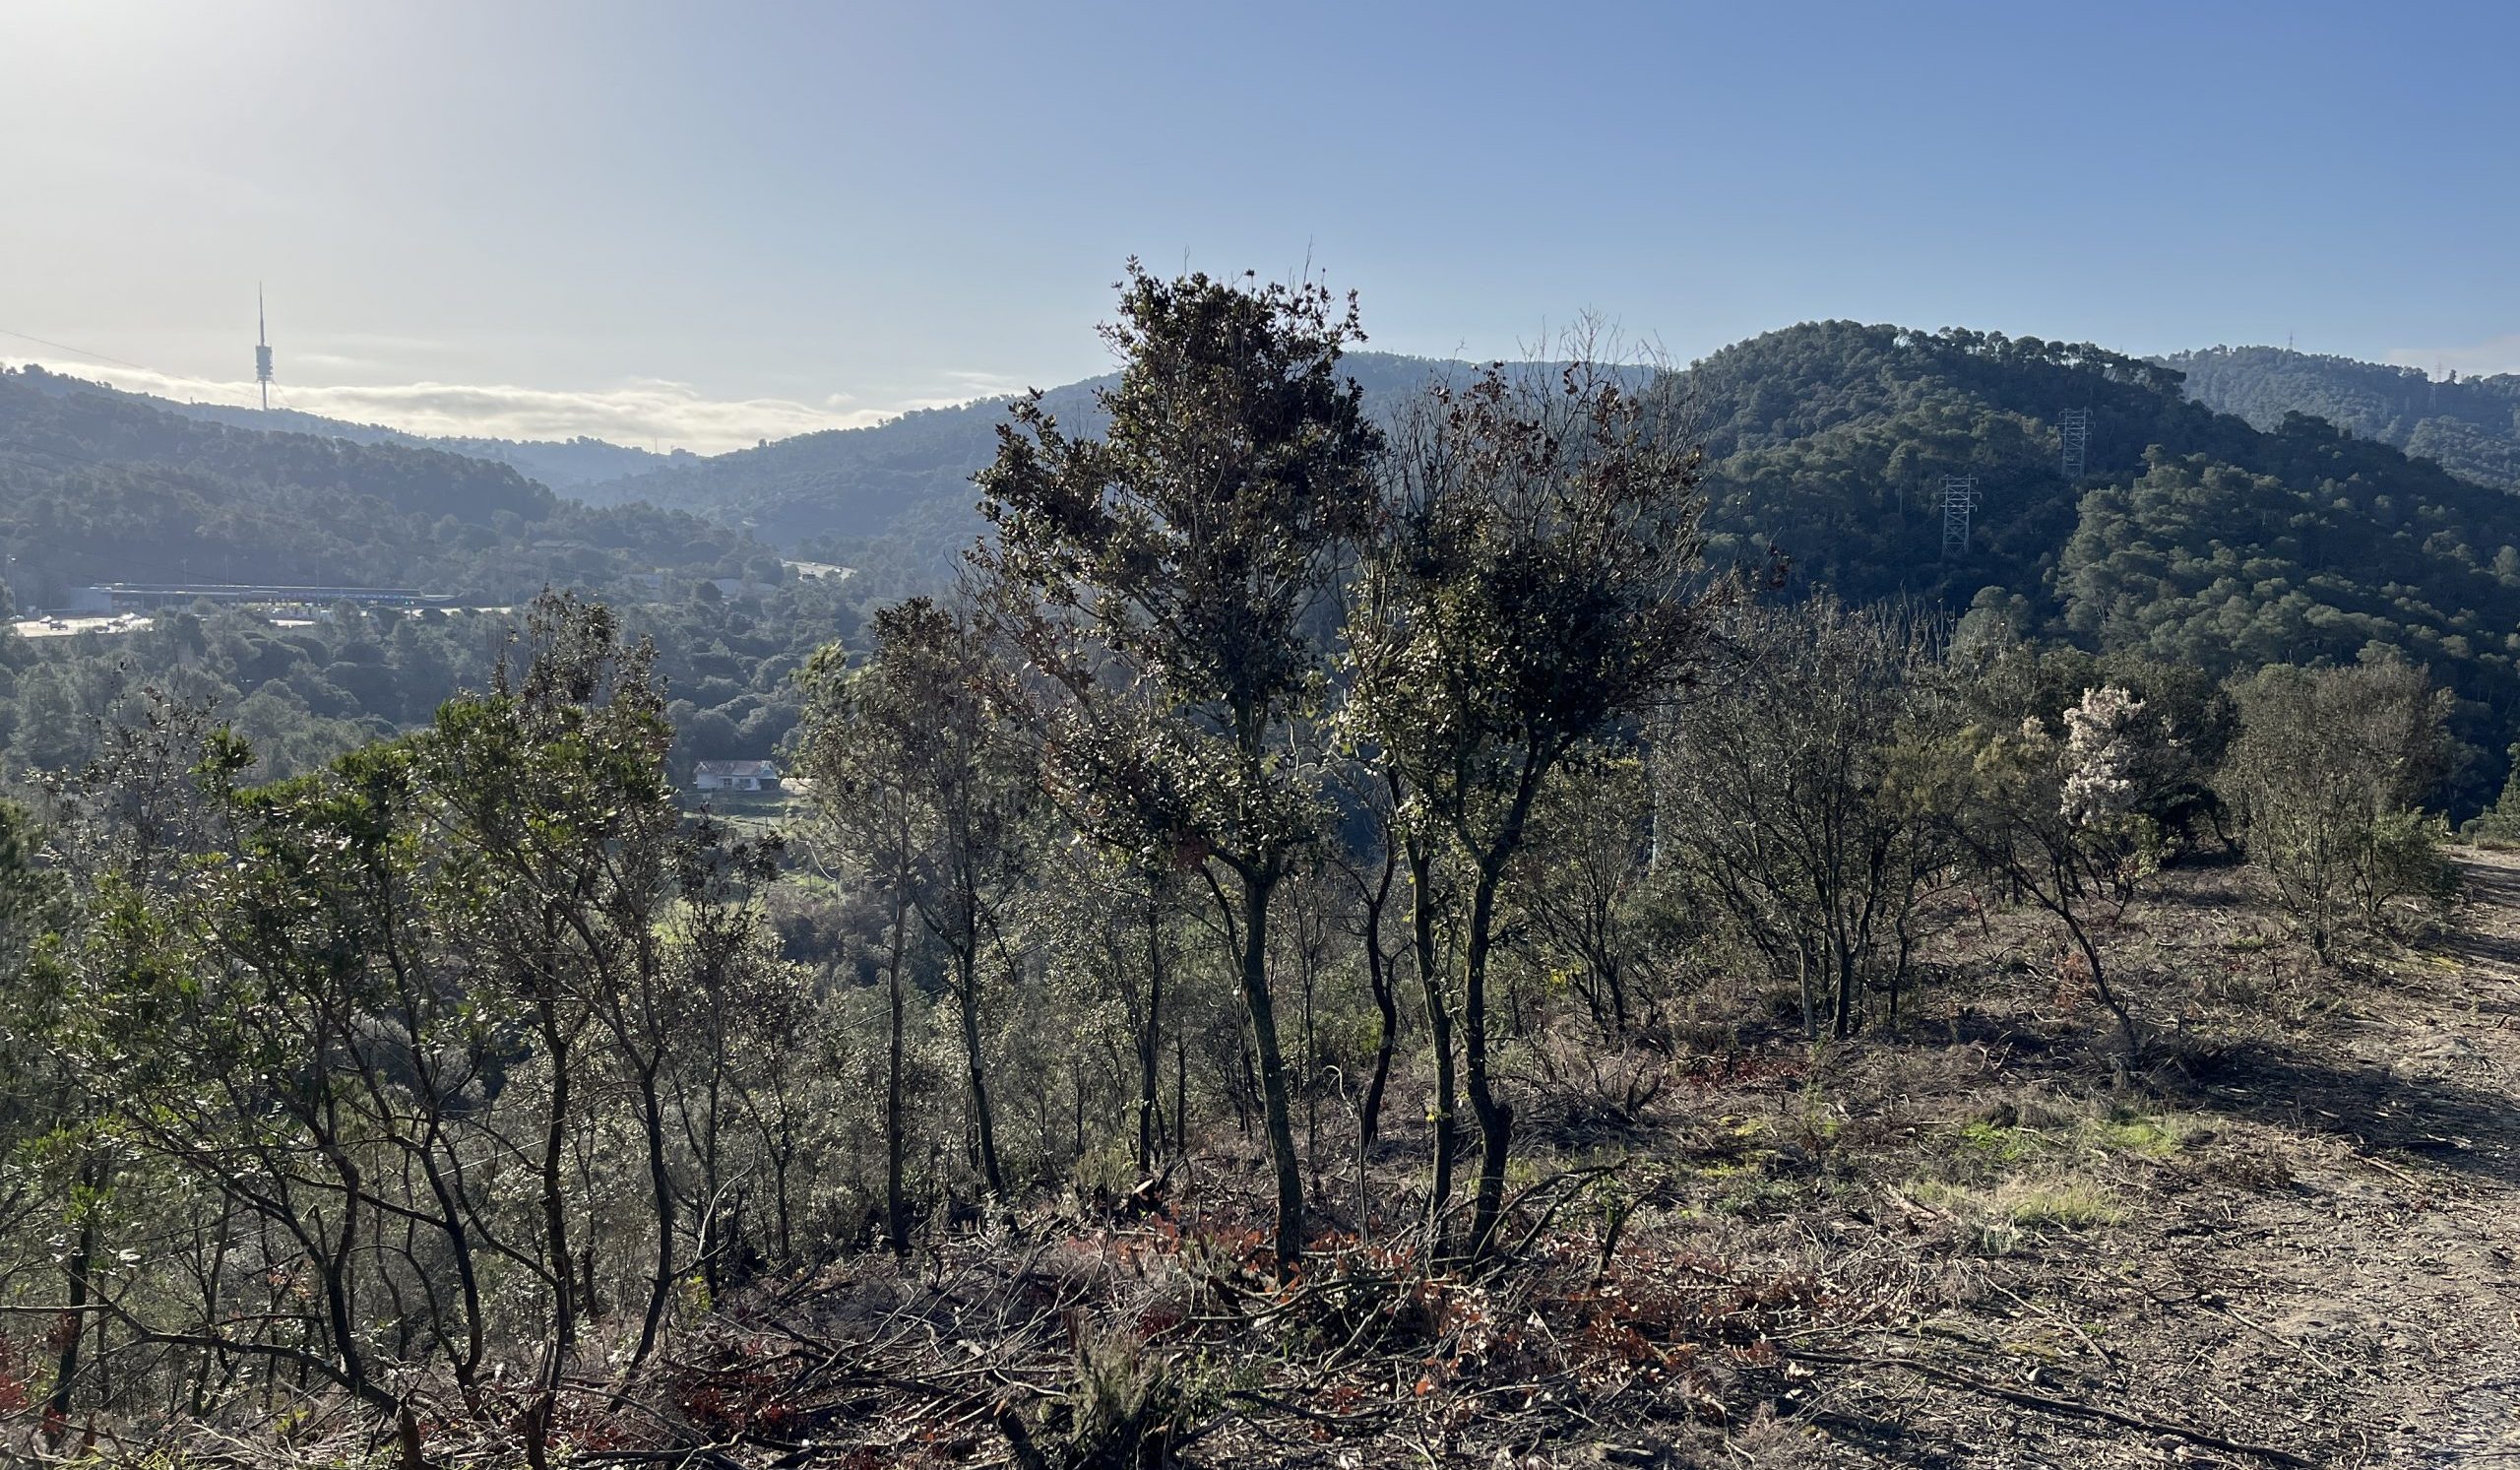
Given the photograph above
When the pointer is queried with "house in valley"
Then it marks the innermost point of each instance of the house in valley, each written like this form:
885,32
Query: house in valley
735,776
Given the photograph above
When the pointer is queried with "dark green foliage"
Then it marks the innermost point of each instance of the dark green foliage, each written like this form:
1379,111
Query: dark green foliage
563,464
2328,775
1776,794
2194,539
1829,441
101,487
2334,546
2471,425
1164,580
2501,822
1526,589
303,695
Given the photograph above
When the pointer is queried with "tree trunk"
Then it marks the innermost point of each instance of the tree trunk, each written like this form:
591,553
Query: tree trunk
467,1364
896,1201
74,1320
1440,1024
1180,1090
967,995
1256,893
1496,1117
1842,1021
555,1227
1377,975
660,1194
1803,968
1150,1042
2099,981
1615,981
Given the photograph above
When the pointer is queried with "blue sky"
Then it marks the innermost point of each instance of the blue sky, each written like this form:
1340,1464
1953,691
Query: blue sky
703,225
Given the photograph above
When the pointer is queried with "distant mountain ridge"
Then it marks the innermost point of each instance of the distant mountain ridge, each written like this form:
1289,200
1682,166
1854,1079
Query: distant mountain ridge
101,485
2190,535
566,464
2470,425
906,475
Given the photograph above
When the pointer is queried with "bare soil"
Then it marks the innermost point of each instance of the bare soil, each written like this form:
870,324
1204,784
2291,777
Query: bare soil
2320,1262
2288,1238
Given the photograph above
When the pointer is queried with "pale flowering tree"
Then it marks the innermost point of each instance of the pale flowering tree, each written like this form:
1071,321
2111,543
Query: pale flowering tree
2063,819
2100,757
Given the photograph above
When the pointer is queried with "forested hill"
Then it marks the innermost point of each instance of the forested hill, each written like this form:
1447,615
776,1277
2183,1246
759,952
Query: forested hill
909,477
2192,535
2472,425
98,486
1829,442
564,464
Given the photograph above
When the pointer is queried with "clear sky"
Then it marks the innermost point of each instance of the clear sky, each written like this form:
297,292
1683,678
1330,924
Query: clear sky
703,224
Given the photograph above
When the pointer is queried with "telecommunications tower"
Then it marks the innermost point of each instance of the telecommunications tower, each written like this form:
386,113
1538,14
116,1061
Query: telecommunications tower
262,350
2073,436
1959,501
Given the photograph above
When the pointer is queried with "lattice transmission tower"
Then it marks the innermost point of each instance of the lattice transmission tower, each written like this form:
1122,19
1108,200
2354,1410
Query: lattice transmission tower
1959,503
2073,436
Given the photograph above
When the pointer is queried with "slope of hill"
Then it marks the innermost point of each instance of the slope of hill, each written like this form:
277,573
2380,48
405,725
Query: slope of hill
564,464
100,486
2192,536
1830,441
2472,425
908,476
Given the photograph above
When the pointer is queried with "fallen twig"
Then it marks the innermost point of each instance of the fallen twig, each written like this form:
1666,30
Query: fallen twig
2055,1405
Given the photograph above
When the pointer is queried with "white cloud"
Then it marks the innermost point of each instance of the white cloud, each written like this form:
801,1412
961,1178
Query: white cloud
641,411
2494,355
985,384
963,386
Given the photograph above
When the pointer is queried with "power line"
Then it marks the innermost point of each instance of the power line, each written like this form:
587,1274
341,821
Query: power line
81,352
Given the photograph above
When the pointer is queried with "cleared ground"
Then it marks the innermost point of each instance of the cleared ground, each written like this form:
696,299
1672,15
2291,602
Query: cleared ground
2287,1240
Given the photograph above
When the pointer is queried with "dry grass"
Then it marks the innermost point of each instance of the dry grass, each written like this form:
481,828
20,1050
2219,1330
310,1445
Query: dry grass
1983,1195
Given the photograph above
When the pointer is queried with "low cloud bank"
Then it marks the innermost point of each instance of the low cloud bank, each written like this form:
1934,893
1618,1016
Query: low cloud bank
644,413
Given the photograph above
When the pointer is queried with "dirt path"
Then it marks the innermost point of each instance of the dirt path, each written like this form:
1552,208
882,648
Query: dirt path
2327,1266
2339,1278
2393,1264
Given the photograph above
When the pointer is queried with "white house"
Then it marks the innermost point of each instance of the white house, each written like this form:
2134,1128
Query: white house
735,776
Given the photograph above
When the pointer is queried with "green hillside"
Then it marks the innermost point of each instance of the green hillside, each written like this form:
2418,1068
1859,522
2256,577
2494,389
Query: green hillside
564,464
100,486
907,477
2472,425
2192,536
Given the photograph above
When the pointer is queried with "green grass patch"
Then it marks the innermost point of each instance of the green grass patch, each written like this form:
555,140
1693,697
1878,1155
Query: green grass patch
2152,1138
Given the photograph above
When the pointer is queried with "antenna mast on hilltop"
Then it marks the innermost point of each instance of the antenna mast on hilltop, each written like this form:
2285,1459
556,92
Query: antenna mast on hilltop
2073,436
1959,500
262,350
